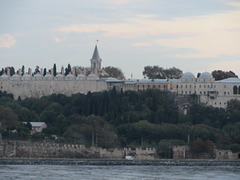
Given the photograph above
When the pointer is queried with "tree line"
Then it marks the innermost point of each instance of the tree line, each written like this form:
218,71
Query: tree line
119,119
106,72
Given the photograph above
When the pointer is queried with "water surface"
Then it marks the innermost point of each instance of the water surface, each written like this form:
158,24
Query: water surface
28,172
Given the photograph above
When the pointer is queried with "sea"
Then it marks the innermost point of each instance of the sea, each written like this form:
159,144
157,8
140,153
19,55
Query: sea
88,172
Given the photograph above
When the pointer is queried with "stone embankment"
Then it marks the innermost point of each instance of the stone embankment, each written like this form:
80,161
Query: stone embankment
117,162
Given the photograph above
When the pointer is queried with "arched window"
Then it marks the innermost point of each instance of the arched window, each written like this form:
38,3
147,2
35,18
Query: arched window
234,89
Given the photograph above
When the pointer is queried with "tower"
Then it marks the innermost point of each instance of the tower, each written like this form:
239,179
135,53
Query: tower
95,62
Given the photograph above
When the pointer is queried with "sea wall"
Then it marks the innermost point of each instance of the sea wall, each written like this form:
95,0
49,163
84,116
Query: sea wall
26,149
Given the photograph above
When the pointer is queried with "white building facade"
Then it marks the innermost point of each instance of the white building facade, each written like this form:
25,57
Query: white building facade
210,92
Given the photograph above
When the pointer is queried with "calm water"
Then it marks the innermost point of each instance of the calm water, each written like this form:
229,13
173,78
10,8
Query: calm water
118,172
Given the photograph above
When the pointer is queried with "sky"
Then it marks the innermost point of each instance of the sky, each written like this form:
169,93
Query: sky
194,36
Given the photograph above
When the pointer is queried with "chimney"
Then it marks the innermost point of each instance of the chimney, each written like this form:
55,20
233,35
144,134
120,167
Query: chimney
19,72
84,71
30,71
62,71
41,72
74,71
8,71
51,71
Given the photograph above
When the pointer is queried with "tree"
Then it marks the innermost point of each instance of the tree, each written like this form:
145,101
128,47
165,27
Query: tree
2,71
23,70
156,72
36,70
173,73
219,74
233,104
44,71
112,72
12,70
8,118
54,70
68,69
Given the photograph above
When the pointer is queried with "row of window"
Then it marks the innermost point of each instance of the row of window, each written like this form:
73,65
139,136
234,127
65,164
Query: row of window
204,86
220,103
153,86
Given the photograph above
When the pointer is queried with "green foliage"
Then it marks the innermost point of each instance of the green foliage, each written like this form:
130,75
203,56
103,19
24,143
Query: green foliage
156,72
235,148
112,72
219,75
113,118
8,119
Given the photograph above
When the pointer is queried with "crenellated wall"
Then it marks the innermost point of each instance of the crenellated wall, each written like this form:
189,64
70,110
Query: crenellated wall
26,149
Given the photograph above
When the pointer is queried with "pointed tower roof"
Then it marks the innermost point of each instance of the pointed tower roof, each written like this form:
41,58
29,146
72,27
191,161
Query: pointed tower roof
95,53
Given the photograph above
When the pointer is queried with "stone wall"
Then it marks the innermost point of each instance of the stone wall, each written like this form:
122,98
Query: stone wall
39,88
226,154
26,149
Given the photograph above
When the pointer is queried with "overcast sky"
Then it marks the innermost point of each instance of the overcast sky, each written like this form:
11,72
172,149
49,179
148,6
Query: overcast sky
192,35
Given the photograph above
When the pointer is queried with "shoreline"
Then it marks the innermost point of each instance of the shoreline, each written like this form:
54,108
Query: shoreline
118,162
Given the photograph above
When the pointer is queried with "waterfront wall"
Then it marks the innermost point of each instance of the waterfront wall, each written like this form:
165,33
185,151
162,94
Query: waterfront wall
26,149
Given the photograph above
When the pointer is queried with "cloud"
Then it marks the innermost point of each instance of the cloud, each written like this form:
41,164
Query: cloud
59,39
142,44
120,2
7,40
209,36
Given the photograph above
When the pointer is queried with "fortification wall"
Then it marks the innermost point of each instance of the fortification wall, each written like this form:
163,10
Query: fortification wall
26,149
38,88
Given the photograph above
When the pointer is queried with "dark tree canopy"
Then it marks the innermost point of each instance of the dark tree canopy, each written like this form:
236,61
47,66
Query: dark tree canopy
112,72
156,72
54,69
219,74
37,70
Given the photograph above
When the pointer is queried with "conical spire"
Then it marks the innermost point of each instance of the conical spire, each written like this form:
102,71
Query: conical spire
95,53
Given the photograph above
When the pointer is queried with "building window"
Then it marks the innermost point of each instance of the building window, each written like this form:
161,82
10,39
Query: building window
159,86
186,86
189,92
224,86
148,86
234,89
215,103
199,86
224,93
153,86
185,92
200,92
182,92
190,86
204,86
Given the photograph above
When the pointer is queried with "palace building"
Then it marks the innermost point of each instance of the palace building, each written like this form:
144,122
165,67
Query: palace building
209,92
